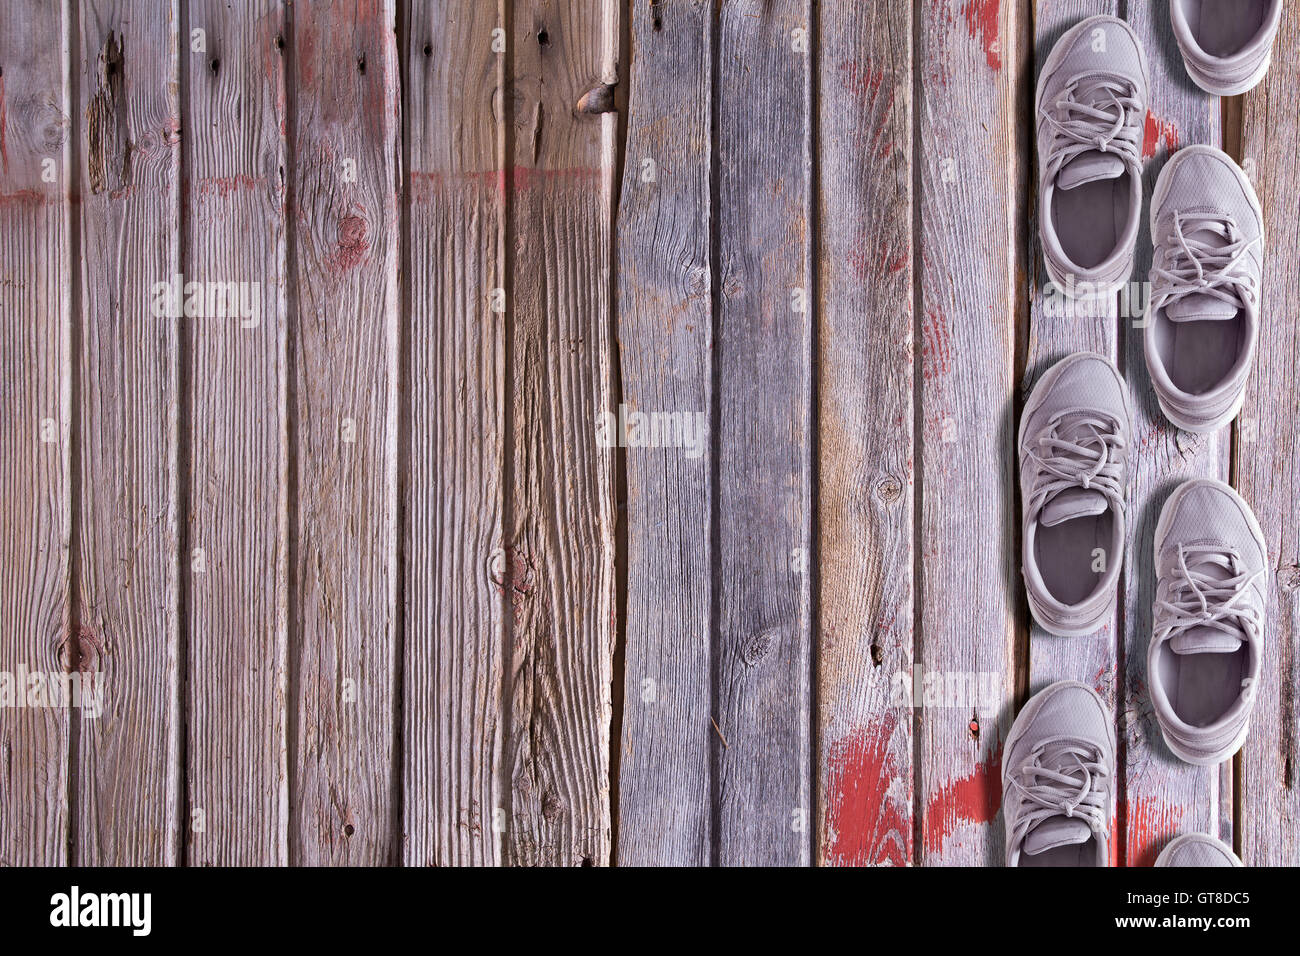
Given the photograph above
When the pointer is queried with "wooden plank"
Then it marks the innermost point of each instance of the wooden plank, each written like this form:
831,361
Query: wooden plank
971,179
1162,796
763,668
1059,327
666,343
126,551
36,120
344,432
560,560
238,484
454,493
1267,463
865,419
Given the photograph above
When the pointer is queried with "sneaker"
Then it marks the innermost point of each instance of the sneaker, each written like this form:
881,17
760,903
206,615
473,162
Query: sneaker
1203,318
1226,44
1073,442
1207,634
1197,849
1057,769
1090,112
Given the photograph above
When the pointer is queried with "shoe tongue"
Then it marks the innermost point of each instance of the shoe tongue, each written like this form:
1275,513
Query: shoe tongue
1088,167
1056,831
1072,503
1204,640
1199,307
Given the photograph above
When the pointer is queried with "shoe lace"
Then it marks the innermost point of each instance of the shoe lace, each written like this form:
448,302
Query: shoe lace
1196,598
1106,122
1196,266
1090,459
1063,776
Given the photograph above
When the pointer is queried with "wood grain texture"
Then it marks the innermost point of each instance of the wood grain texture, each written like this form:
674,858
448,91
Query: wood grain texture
1059,327
666,347
865,419
560,559
454,565
1163,796
36,125
235,219
764,493
126,544
343,433
1267,460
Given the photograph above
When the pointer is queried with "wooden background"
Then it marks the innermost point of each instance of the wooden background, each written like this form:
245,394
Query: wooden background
364,585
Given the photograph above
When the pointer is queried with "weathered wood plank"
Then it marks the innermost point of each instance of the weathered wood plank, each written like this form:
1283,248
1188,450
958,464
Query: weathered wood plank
763,666
1162,796
238,493
1059,327
865,420
970,58
36,123
560,560
666,347
126,558
1267,462
343,433
454,567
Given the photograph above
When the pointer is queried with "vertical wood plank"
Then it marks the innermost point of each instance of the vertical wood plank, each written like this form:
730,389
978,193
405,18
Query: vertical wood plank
454,567
763,666
238,514
1267,462
666,347
36,265
865,419
127,417
1059,327
560,561
970,183
1162,796
343,426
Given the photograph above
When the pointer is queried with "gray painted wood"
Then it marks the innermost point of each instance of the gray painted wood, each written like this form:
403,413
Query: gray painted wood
864,441
126,536
666,350
970,171
454,564
561,511
1267,463
36,127
236,232
764,494
344,173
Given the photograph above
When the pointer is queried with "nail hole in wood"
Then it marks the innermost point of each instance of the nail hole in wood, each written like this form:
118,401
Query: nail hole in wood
349,830
279,43
216,65
361,65
658,24
428,49
543,37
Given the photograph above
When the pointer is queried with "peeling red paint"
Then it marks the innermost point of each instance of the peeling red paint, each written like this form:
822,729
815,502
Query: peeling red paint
865,824
1151,824
353,243
1155,131
936,344
974,799
4,122
425,185
982,21
223,186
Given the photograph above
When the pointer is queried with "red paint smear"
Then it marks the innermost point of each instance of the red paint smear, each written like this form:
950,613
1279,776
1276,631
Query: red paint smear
4,148
936,344
864,826
424,185
982,20
223,186
352,244
1156,130
974,799
1151,824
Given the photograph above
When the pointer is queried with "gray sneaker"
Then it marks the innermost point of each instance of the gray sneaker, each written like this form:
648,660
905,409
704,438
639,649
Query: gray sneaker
1203,318
1057,769
1073,442
1207,634
1197,849
1090,113
1226,44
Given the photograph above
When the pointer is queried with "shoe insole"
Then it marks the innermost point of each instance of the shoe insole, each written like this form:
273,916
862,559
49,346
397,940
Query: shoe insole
1090,219
1202,687
1223,27
1199,355
1065,555
1072,854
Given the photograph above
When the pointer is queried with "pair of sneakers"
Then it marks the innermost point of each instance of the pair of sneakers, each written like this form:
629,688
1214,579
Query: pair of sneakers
1207,229
1057,769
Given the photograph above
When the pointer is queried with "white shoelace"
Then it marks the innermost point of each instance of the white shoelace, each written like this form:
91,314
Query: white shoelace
1198,598
1064,776
1091,461
1107,123
1197,266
